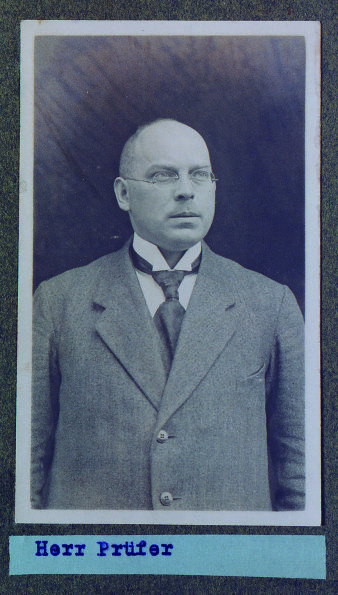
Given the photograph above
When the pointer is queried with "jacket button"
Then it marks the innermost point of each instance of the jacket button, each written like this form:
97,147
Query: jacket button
166,498
162,436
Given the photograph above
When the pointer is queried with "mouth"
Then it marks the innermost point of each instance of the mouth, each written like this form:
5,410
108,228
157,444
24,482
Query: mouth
184,214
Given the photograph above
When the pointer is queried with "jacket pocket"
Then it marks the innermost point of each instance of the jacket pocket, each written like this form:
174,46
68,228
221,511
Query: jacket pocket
256,374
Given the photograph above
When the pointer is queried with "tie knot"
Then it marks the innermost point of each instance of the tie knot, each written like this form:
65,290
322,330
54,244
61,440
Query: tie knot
169,281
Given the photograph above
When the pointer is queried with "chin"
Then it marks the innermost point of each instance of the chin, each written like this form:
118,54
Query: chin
181,244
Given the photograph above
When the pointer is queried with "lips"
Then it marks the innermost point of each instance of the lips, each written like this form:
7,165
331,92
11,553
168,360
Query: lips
184,214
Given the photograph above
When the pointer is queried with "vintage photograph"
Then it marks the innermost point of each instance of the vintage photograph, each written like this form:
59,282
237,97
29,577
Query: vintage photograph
169,255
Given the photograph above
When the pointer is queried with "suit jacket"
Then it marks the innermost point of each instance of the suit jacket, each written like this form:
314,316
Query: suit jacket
232,406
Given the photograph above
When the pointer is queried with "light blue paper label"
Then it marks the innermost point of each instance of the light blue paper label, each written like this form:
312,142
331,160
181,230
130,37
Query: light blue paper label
284,556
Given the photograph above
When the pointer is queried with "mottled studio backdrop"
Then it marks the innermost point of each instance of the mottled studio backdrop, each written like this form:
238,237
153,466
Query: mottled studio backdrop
245,95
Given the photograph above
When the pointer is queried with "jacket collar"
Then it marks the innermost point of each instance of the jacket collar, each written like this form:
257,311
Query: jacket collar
127,328
208,325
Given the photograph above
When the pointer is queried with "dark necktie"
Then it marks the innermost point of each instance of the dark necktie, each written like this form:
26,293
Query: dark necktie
169,315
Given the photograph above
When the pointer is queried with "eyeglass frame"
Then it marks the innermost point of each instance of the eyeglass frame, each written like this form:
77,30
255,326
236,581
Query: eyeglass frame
177,177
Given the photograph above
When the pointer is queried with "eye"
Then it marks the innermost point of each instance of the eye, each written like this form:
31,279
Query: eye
200,175
163,176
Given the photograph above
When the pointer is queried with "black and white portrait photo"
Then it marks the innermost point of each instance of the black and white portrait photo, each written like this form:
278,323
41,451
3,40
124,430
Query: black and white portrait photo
169,257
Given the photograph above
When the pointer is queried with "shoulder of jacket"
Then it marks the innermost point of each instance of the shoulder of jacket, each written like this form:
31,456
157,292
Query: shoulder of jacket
80,278
247,277
259,294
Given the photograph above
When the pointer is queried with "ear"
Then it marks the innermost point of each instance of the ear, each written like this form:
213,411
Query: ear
121,192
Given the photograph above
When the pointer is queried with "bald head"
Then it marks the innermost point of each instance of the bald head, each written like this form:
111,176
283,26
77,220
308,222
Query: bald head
169,135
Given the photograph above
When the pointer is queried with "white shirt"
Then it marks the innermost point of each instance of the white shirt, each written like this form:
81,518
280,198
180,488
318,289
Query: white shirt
152,292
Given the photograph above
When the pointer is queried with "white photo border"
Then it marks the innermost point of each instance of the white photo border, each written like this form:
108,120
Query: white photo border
311,516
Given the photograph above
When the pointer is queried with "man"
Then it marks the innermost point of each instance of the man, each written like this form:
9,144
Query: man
179,390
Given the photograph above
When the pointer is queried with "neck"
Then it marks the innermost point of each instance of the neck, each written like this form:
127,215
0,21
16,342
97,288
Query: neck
172,258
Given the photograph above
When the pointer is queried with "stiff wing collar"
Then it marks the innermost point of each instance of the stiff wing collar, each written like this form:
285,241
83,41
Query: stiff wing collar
152,254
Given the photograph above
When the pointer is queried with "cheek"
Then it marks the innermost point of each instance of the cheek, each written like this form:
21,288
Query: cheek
148,216
141,207
208,207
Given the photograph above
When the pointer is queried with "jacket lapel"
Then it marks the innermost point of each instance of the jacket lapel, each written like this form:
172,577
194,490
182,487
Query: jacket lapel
126,327
208,325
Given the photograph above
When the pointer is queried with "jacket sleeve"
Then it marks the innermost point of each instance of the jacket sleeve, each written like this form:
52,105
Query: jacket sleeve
45,396
286,409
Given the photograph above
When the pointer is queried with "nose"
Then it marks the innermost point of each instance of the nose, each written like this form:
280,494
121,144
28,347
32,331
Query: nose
184,188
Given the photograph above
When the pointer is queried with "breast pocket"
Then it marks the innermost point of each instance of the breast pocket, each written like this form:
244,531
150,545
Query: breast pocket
257,373
251,388
250,410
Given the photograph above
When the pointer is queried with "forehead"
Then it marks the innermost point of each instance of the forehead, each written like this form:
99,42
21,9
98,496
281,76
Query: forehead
171,144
